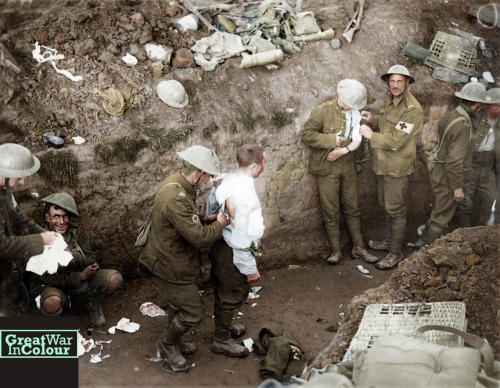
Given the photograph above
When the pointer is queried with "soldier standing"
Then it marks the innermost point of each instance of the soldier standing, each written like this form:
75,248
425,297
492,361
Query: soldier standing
172,251
20,236
451,170
394,158
332,131
480,192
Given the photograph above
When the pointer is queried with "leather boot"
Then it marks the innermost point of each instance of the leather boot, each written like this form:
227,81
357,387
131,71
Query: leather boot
237,330
185,347
434,232
229,348
385,244
362,253
379,245
171,353
96,316
334,257
391,260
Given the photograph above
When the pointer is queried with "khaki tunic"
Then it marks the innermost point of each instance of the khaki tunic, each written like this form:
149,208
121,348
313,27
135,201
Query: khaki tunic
395,151
177,233
456,152
67,280
19,235
320,131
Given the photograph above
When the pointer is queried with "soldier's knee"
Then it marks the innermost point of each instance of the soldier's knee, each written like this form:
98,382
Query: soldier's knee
52,305
115,282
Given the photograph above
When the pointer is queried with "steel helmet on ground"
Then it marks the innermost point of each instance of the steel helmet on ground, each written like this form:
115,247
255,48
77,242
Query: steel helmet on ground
201,157
494,94
172,93
474,91
398,69
16,161
64,201
352,93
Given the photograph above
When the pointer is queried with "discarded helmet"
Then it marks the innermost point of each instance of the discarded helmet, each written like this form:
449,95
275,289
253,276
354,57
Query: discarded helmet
494,95
172,93
352,93
17,161
64,201
398,69
202,158
474,91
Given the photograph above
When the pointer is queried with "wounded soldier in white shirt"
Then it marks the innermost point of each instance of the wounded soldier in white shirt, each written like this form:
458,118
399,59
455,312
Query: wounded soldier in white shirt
234,266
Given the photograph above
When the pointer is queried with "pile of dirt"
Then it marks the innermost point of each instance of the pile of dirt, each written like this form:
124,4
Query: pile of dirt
462,266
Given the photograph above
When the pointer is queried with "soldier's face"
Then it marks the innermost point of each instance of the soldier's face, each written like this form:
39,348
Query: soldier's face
58,220
493,110
13,182
204,178
397,84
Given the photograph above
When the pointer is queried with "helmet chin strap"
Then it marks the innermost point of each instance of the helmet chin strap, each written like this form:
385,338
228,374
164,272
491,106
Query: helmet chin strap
6,182
197,180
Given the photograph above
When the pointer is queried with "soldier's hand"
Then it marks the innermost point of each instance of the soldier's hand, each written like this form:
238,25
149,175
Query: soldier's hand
335,154
89,271
221,217
458,195
338,139
209,219
365,115
365,131
48,237
254,278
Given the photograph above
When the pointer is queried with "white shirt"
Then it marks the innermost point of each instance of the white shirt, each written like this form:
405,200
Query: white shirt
248,221
352,117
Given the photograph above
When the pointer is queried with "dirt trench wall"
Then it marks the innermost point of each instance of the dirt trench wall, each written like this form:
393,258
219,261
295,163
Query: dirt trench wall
114,174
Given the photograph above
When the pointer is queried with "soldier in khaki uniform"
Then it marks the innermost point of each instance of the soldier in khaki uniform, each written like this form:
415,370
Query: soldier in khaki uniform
480,192
82,279
451,170
332,131
394,158
172,252
20,236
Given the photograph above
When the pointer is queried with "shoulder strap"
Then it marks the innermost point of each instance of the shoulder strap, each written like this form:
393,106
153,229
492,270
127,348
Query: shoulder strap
157,195
473,340
159,192
466,116
446,131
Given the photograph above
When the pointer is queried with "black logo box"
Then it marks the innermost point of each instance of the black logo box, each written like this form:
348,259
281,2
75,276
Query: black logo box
26,372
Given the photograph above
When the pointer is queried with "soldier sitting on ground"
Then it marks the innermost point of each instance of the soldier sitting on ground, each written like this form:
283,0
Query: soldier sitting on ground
82,279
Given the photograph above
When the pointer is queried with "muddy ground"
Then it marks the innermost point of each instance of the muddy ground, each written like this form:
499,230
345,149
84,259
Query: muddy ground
320,305
300,293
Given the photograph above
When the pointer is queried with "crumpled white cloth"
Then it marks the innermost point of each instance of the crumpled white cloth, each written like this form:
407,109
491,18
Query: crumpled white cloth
52,56
52,256
125,325
210,51
149,308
